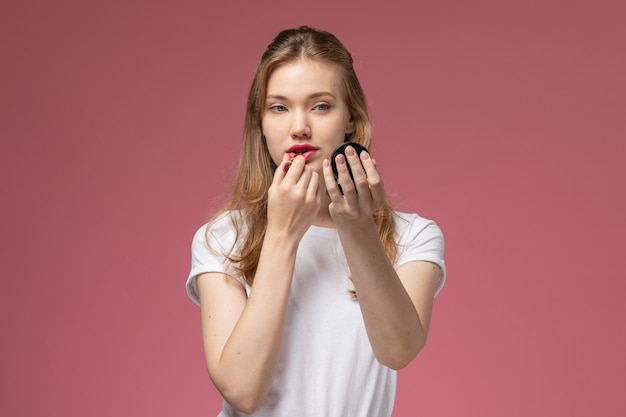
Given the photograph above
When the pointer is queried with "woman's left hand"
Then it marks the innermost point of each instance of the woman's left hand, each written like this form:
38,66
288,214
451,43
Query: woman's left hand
361,197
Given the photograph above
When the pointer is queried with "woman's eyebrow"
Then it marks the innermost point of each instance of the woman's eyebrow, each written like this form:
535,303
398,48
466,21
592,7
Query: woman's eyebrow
275,97
314,95
322,94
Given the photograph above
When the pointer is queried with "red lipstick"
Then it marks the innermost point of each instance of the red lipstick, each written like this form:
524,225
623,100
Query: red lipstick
301,149
305,150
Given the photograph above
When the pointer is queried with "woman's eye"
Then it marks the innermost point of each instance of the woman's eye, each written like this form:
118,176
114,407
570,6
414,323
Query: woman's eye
278,108
322,107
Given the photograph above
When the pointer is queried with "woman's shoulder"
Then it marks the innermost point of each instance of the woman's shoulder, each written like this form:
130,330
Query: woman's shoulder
412,224
420,239
406,219
224,227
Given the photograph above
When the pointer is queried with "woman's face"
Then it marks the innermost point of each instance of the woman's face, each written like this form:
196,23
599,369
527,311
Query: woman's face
305,112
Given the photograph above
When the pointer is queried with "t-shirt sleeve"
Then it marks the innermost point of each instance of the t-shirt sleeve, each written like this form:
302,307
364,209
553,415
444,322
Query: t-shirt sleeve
220,237
420,239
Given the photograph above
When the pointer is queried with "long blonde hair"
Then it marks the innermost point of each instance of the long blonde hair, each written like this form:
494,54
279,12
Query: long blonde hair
248,199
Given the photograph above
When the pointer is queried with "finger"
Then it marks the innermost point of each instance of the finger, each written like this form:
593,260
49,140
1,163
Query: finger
345,181
346,186
369,167
305,177
279,172
359,174
374,179
355,162
283,167
293,166
329,181
313,187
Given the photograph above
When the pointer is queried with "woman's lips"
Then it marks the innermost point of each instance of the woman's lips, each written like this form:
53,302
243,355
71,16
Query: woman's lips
307,153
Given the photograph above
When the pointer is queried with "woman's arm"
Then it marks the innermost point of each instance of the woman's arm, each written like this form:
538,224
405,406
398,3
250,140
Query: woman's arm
242,336
396,305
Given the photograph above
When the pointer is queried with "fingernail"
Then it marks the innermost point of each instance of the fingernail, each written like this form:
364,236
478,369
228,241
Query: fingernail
365,155
326,163
350,151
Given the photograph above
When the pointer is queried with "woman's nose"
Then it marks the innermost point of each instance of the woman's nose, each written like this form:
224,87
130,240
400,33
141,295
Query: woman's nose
300,127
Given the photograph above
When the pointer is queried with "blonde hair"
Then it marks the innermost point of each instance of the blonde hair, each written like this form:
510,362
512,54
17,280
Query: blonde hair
248,199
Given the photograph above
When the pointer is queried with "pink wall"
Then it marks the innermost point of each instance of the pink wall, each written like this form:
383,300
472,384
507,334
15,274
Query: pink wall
504,121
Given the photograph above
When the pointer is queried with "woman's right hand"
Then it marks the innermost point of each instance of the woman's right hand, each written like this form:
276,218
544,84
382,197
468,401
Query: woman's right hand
293,199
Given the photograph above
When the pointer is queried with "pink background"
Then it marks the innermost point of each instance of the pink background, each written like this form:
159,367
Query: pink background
504,121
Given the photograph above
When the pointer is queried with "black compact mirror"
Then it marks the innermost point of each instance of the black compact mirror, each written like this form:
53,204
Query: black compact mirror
342,150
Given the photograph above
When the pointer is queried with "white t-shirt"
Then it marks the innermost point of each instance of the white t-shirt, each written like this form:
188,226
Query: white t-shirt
327,366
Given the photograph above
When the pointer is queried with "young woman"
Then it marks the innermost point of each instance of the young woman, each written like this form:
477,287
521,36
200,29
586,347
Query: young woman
311,295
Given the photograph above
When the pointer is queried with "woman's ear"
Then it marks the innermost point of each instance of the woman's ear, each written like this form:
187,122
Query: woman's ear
350,130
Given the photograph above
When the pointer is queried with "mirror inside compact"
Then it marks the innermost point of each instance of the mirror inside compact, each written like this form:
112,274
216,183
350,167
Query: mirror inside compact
342,150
